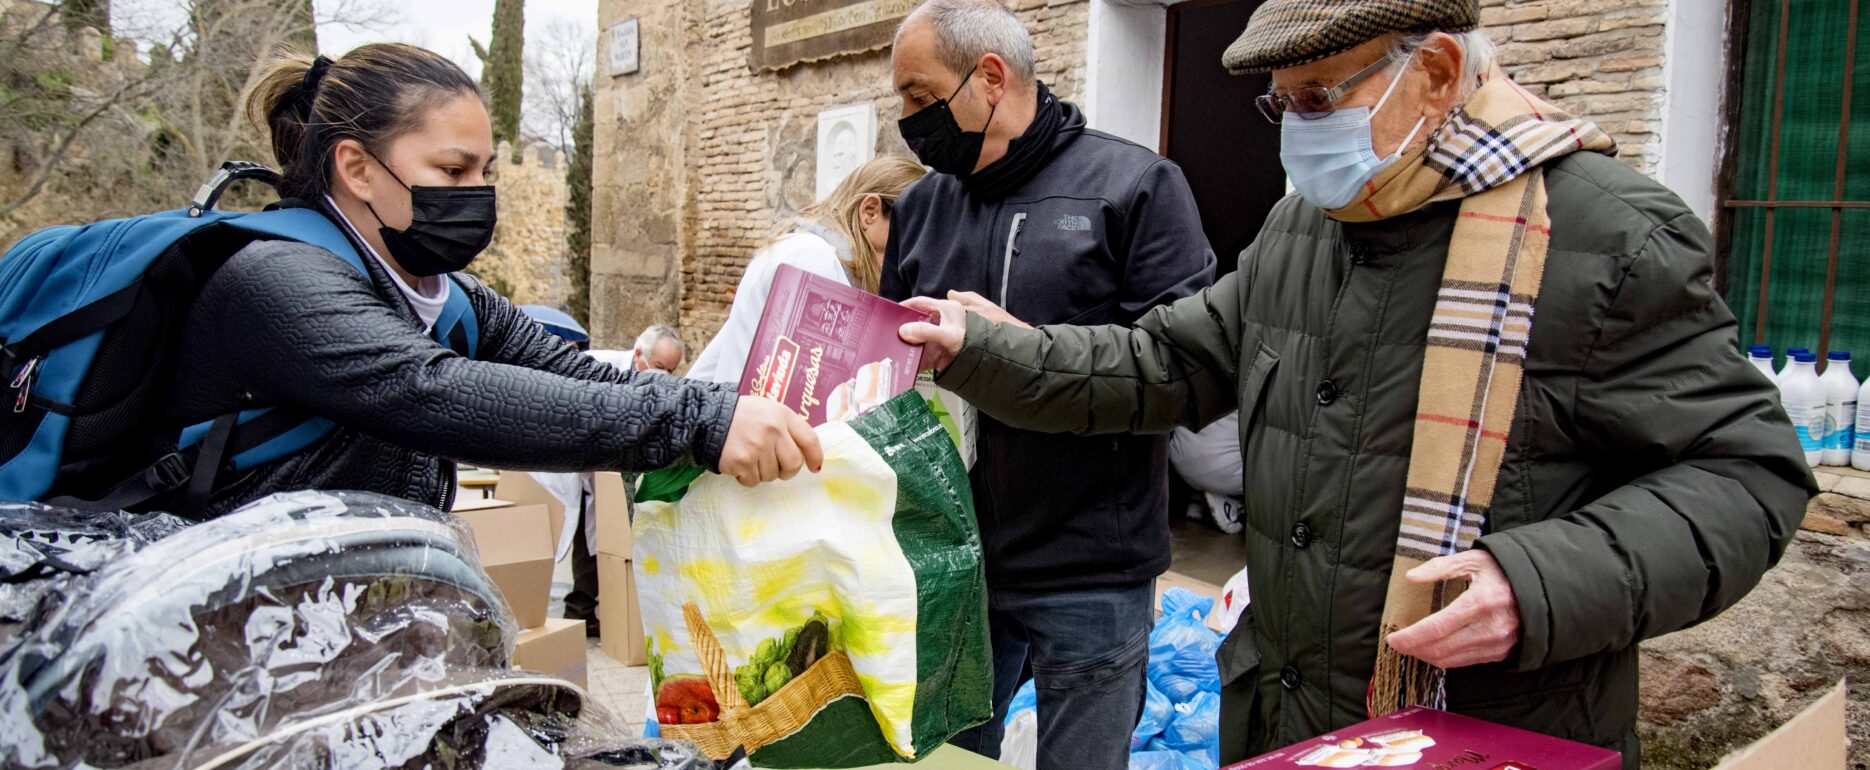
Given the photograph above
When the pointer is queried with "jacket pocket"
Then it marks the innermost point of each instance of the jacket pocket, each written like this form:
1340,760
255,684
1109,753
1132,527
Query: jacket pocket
1253,387
1239,654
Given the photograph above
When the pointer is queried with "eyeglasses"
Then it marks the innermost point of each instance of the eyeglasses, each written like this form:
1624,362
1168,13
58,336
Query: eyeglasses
1316,101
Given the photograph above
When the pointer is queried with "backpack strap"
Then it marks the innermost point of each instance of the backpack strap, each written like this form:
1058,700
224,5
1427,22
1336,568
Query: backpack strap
207,466
258,436
302,225
457,328
163,476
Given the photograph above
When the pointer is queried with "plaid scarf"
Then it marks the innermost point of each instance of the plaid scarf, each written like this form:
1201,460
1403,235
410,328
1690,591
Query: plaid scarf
1487,154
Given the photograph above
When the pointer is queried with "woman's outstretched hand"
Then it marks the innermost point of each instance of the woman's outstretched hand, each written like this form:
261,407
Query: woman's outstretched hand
767,441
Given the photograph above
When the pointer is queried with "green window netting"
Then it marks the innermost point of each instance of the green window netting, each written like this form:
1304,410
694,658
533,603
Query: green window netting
1809,121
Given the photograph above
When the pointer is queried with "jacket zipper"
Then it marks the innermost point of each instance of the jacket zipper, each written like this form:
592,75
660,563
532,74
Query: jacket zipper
445,501
23,383
1012,248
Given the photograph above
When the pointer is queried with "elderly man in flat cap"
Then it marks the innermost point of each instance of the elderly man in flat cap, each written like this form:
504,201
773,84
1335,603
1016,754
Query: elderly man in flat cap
1496,427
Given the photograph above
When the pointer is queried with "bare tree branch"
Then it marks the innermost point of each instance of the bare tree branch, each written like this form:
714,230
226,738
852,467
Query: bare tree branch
58,153
559,66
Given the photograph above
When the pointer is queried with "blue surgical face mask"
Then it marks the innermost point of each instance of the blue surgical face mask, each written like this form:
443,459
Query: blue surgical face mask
1329,159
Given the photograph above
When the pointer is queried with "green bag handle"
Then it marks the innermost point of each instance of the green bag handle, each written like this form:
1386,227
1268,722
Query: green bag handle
668,485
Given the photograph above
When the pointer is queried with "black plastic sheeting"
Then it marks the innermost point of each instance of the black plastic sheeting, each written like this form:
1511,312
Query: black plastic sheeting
308,629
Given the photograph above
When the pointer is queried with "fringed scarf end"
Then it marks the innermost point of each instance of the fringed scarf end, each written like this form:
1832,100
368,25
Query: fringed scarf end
1401,681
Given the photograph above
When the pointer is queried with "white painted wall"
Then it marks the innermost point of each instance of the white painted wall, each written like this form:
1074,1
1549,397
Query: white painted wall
1693,66
1123,78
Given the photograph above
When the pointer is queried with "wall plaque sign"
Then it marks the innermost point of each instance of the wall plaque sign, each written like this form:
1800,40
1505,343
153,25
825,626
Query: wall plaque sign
786,32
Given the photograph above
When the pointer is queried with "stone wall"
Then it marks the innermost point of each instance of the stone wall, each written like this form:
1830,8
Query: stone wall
699,158
527,259
640,174
1600,59
1721,685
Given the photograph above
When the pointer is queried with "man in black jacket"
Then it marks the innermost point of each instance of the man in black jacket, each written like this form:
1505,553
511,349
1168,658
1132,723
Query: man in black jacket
1057,224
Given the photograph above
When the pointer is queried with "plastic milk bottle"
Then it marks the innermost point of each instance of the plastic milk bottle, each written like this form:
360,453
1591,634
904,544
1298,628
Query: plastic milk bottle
1840,388
1761,356
1804,399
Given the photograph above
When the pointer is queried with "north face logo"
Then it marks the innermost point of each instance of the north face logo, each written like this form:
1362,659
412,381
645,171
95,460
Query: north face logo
1074,223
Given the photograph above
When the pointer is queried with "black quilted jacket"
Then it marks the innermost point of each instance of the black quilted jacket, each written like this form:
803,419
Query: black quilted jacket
289,325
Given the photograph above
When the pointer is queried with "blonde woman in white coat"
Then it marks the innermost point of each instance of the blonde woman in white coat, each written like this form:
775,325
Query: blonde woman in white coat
841,238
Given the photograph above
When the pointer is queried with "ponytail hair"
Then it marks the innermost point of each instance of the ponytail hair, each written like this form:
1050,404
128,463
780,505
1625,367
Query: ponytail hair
373,95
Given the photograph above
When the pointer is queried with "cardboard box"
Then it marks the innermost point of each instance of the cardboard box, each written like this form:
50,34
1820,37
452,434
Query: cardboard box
555,648
610,504
1427,738
619,620
516,550
523,489
1814,739
480,504
1170,580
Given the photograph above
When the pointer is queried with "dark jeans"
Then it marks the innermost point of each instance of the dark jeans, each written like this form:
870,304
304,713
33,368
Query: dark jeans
1088,651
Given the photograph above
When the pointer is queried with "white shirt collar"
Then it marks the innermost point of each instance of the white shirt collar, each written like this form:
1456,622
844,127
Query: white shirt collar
426,298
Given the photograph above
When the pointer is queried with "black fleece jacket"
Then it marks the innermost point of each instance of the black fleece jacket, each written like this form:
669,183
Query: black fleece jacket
1074,226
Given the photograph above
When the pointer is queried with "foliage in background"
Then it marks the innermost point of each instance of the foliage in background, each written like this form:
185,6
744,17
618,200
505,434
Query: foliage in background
87,13
502,72
578,213
95,126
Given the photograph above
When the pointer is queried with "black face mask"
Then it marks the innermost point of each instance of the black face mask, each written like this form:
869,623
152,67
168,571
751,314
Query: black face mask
448,227
938,141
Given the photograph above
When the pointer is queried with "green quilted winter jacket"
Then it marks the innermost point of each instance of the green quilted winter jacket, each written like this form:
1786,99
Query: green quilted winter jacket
1650,478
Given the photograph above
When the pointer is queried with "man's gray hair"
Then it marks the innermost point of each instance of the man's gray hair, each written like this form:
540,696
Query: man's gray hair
646,342
1476,55
966,30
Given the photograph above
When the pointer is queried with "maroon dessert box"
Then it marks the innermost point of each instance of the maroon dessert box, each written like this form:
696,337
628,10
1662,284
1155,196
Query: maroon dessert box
1436,740
828,351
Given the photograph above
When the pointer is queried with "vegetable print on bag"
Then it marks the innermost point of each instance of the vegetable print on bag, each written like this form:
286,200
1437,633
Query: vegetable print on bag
833,620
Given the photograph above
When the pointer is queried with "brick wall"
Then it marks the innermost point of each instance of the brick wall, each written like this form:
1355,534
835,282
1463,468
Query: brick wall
1601,59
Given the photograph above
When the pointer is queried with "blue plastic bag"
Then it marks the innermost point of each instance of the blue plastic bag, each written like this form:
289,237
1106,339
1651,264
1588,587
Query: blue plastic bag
1181,648
1196,728
1027,699
1180,728
1157,711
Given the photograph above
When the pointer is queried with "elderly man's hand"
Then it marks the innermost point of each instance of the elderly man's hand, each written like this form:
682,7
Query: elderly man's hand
1480,626
981,306
941,340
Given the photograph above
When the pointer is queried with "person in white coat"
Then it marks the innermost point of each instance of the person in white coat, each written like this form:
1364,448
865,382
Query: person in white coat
841,238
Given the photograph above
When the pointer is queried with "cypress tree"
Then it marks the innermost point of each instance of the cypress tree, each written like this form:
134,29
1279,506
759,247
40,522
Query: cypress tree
502,71
578,212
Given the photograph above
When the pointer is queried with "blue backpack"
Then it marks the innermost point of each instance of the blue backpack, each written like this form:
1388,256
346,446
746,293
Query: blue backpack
90,315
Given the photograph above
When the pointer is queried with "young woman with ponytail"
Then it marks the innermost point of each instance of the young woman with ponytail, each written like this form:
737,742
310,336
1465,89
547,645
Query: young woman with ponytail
393,144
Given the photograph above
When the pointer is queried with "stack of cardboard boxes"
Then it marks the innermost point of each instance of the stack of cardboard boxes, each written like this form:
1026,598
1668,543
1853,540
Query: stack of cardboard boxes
516,549
619,619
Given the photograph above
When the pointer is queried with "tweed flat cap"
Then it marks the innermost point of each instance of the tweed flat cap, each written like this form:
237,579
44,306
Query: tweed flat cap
1285,33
